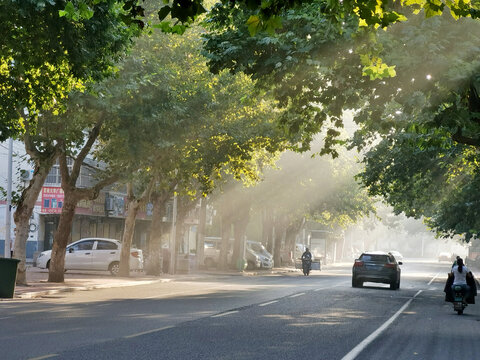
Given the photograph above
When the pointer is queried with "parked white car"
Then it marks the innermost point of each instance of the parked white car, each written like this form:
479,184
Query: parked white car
94,254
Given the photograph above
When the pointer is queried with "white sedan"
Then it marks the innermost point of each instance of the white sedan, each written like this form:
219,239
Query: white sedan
94,254
397,255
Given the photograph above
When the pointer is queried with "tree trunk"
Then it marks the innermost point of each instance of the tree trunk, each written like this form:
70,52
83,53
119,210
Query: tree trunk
24,212
239,231
153,264
290,234
224,245
60,239
184,206
179,236
202,218
133,206
279,235
267,229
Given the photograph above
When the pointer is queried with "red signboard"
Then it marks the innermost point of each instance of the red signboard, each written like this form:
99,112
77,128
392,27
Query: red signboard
52,200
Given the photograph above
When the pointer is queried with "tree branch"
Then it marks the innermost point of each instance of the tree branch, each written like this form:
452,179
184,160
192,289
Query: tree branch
92,193
92,137
458,137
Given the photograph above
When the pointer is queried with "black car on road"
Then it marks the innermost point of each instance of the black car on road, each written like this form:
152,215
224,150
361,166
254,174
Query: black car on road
378,267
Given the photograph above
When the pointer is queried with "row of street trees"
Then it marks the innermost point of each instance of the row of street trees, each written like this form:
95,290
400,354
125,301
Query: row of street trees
315,59
413,85
300,188
162,123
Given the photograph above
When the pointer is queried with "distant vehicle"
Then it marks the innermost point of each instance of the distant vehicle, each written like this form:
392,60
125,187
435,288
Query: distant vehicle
94,254
445,256
397,255
254,260
378,267
266,259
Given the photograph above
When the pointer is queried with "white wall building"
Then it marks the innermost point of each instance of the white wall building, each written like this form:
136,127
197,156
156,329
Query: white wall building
21,172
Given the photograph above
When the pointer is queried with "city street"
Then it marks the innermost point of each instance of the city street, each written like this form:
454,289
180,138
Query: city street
168,167
246,317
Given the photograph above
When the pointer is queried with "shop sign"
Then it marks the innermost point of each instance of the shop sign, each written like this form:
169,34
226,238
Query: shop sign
52,200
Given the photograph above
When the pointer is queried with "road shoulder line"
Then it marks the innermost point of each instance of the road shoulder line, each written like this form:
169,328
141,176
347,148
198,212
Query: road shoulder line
360,347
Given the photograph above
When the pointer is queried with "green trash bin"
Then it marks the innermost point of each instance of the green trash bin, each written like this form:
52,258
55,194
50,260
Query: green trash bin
8,276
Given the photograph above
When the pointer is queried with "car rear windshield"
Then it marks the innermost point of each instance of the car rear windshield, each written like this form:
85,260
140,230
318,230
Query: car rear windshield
376,258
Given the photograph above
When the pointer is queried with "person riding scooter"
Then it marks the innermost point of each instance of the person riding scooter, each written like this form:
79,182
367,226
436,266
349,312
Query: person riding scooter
462,276
460,273
306,261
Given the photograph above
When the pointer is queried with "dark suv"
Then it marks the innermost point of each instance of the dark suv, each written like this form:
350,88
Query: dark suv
376,266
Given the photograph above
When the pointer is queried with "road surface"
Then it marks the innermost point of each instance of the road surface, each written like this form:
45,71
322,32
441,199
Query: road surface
285,316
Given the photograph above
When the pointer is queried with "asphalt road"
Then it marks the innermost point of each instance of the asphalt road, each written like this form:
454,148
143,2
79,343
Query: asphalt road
233,317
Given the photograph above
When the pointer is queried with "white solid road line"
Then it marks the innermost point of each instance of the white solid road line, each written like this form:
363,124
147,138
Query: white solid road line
433,279
328,287
294,296
148,332
225,313
44,357
269,303
360,347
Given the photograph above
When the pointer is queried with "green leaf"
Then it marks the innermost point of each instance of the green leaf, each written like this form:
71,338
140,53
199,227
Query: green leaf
85,12
273,23
254,25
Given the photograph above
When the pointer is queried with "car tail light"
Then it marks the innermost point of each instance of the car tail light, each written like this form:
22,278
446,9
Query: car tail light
358,263
391,266
135,254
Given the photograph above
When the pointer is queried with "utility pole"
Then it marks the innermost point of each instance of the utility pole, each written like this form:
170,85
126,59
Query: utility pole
8,207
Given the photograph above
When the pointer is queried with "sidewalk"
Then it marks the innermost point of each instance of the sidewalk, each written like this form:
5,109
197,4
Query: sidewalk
38,285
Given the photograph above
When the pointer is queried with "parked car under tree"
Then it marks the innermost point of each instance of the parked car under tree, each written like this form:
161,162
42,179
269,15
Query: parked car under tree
94,254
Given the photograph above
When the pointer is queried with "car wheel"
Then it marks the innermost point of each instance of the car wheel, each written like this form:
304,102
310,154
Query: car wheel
398,284
393,285
48,264
251,266
114,268
354,283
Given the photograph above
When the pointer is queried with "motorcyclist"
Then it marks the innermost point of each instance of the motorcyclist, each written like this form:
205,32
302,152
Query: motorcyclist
307,255
460,273
306,261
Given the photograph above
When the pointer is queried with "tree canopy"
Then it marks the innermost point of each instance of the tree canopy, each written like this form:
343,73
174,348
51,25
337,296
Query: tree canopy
44,56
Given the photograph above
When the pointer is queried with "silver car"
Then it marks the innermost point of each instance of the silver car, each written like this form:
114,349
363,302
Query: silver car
266,259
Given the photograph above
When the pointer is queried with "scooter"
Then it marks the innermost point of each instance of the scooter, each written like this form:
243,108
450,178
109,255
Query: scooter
458,299
306,266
